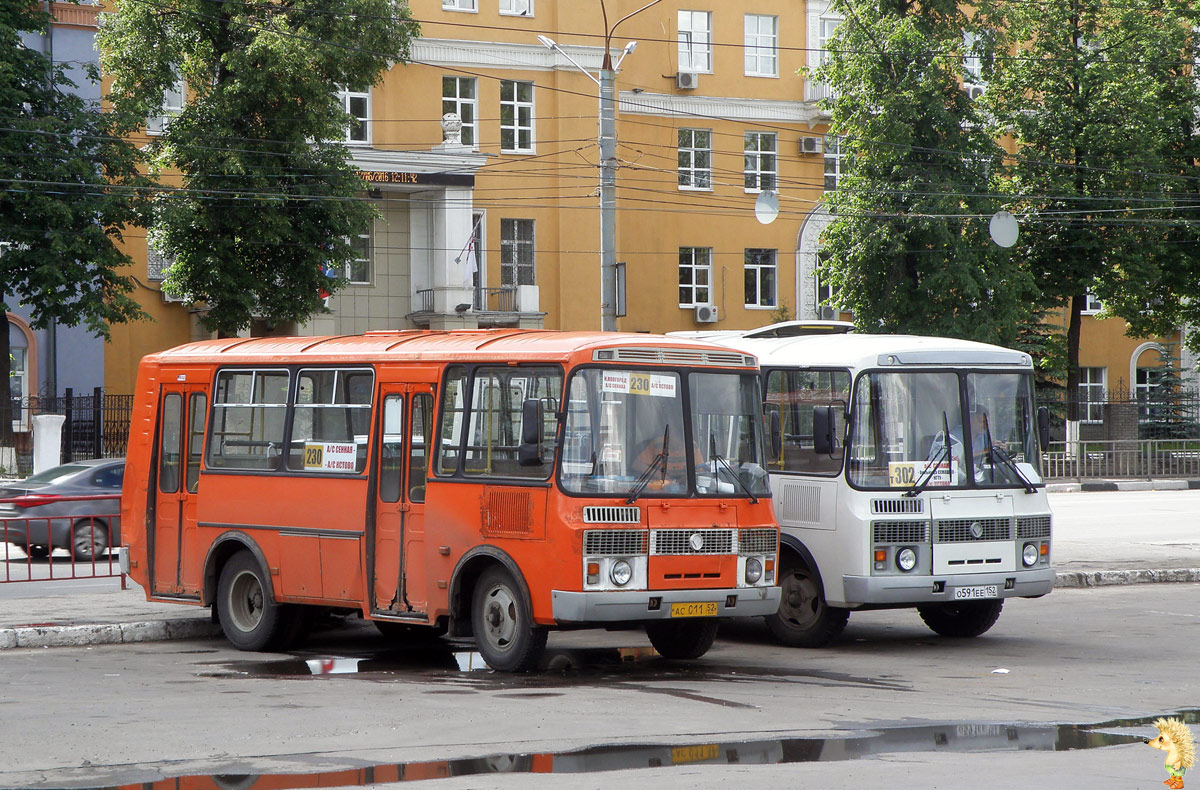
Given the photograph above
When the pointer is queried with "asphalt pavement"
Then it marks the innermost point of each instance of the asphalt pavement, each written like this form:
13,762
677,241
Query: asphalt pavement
1099,539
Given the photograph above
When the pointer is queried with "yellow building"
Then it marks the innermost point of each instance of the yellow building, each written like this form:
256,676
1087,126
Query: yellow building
498,223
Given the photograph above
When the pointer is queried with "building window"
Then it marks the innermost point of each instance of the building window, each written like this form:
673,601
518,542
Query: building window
458,96
833,162
695,276
1092,394
356,104
1091,304
760,278
172,105
695,41
358,268
18,375
761,162
516,117
972,67
516,253
695,159
823,27
459,5
516,7
762,46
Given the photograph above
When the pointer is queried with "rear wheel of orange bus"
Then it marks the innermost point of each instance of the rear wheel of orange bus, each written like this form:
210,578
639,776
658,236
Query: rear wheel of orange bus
682,639
250,618
505,633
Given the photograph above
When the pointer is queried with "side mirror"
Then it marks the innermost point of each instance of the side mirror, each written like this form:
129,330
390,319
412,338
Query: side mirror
823,430
529,453
1043,425
774,429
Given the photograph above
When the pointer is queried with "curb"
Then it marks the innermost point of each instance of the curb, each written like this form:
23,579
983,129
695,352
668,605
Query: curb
1122,485
1077,579
51,635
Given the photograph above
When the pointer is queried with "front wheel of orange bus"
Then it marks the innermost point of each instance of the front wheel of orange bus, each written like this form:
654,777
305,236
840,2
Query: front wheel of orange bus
504,630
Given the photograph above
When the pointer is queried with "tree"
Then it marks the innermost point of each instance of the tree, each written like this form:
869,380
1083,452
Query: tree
67,187
268,197
1099,101
908,249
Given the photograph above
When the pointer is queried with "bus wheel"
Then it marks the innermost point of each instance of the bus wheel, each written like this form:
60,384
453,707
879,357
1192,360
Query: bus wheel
961,619
683,639
804,619
504,630
249,617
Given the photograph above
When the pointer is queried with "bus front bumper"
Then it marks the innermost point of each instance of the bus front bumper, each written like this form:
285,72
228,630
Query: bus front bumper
861,590
632,605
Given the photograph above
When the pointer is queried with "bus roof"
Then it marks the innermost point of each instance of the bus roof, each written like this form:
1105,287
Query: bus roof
467,345
857,351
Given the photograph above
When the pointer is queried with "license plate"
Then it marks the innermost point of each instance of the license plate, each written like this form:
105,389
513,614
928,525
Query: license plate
698,609
976,593
694,754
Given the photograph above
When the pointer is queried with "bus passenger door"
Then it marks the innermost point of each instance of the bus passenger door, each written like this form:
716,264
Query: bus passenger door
399,583
182,413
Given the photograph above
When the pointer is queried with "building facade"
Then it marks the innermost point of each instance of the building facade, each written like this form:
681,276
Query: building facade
482,160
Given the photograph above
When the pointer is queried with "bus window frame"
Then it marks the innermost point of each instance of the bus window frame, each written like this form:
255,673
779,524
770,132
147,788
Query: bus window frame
845,404
293,370
434,471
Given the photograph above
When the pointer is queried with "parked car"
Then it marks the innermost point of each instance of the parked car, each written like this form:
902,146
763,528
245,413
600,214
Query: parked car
39,515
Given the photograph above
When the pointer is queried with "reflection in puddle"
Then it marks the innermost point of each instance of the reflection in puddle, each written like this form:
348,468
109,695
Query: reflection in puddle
965,737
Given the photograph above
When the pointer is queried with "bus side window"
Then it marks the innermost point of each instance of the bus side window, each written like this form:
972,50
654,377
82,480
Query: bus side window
168,450
796,392
453,411
422,425
498,400
333,411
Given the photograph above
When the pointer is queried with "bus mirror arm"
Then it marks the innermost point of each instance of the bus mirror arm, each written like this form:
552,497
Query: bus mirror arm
775,429
1043,426
823,430
529,453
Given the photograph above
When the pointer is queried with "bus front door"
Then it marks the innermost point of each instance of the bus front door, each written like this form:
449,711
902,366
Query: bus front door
399,545
176,569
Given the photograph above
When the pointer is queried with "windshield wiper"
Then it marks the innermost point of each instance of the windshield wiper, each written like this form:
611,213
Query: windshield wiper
931,466
999,452
660,461
721,459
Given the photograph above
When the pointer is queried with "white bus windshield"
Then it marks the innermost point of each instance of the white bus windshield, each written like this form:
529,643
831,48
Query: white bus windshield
908,429
626,434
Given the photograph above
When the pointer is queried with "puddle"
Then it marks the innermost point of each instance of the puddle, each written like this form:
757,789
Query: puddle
964,738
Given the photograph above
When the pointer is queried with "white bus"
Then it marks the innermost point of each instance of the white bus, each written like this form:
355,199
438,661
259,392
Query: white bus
878,509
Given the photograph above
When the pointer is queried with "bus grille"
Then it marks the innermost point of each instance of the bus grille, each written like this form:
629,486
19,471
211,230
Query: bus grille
1033,527
597,514
959,530
900,531
674,356
614,542
887,507
678,541
758,541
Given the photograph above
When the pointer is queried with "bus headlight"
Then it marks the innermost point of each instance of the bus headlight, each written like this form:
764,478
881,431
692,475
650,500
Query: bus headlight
620,573
754,570
906,559
1030,554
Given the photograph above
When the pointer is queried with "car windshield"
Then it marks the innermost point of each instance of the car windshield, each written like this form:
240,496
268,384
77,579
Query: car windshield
56,474
908,429
626,434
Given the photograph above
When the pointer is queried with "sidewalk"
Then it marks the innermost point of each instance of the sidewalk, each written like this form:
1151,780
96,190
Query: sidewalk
1086,554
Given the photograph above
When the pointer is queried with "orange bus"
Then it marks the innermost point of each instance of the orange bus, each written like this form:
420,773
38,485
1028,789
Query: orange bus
485,483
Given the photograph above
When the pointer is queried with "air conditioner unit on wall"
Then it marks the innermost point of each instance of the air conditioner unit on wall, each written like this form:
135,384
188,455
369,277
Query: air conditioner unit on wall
172,298
974,91
826,313
810,145
706,314
687,80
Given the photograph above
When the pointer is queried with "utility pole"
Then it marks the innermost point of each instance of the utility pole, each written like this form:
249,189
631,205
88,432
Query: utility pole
608,162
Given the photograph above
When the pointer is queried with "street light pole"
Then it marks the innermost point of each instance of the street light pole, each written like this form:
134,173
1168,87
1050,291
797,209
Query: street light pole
608,162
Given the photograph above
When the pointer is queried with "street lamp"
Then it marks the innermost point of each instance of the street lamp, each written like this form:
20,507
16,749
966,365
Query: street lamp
608,163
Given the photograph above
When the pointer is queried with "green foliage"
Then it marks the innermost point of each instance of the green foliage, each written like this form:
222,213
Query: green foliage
269,195
67,187
908,249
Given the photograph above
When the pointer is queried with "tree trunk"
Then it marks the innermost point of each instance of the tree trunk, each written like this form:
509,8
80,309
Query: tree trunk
1074,325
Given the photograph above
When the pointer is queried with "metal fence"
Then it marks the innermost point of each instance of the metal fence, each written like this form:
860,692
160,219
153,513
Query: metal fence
95,426
1144,458
43,547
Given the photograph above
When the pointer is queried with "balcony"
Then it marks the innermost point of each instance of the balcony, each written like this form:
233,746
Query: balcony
510,306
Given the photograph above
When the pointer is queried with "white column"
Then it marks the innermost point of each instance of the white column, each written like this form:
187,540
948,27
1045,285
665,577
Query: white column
47,441
451,268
